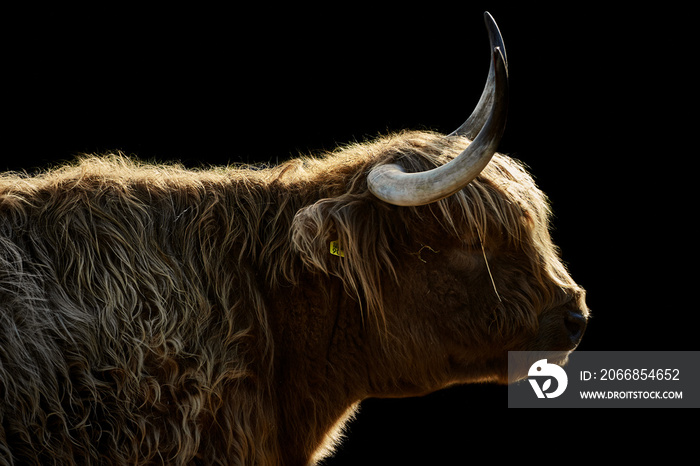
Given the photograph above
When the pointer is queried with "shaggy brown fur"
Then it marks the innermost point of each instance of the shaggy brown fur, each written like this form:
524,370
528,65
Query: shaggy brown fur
151,314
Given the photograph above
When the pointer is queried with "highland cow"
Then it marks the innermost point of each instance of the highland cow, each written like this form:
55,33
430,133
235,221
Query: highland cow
153,314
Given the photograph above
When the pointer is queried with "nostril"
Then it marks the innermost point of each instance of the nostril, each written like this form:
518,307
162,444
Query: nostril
575,324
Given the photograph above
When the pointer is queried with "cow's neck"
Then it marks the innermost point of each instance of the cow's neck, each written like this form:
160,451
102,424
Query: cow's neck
319,378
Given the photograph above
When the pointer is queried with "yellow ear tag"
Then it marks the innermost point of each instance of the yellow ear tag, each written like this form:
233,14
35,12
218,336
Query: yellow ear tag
335,249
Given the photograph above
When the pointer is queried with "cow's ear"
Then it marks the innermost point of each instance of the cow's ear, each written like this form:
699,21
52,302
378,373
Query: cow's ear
341,230
312,231
348,236
327,233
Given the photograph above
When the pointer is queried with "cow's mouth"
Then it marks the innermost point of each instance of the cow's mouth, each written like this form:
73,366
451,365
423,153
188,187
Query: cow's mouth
519,362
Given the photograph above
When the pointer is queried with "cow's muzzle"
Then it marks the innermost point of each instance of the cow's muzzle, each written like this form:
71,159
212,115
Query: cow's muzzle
575,324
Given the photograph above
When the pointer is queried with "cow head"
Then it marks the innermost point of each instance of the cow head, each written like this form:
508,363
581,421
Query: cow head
446,244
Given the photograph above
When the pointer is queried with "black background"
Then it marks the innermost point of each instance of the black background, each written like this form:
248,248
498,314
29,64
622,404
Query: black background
601,111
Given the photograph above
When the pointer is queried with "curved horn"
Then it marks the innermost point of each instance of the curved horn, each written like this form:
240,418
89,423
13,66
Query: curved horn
391,184
477,119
